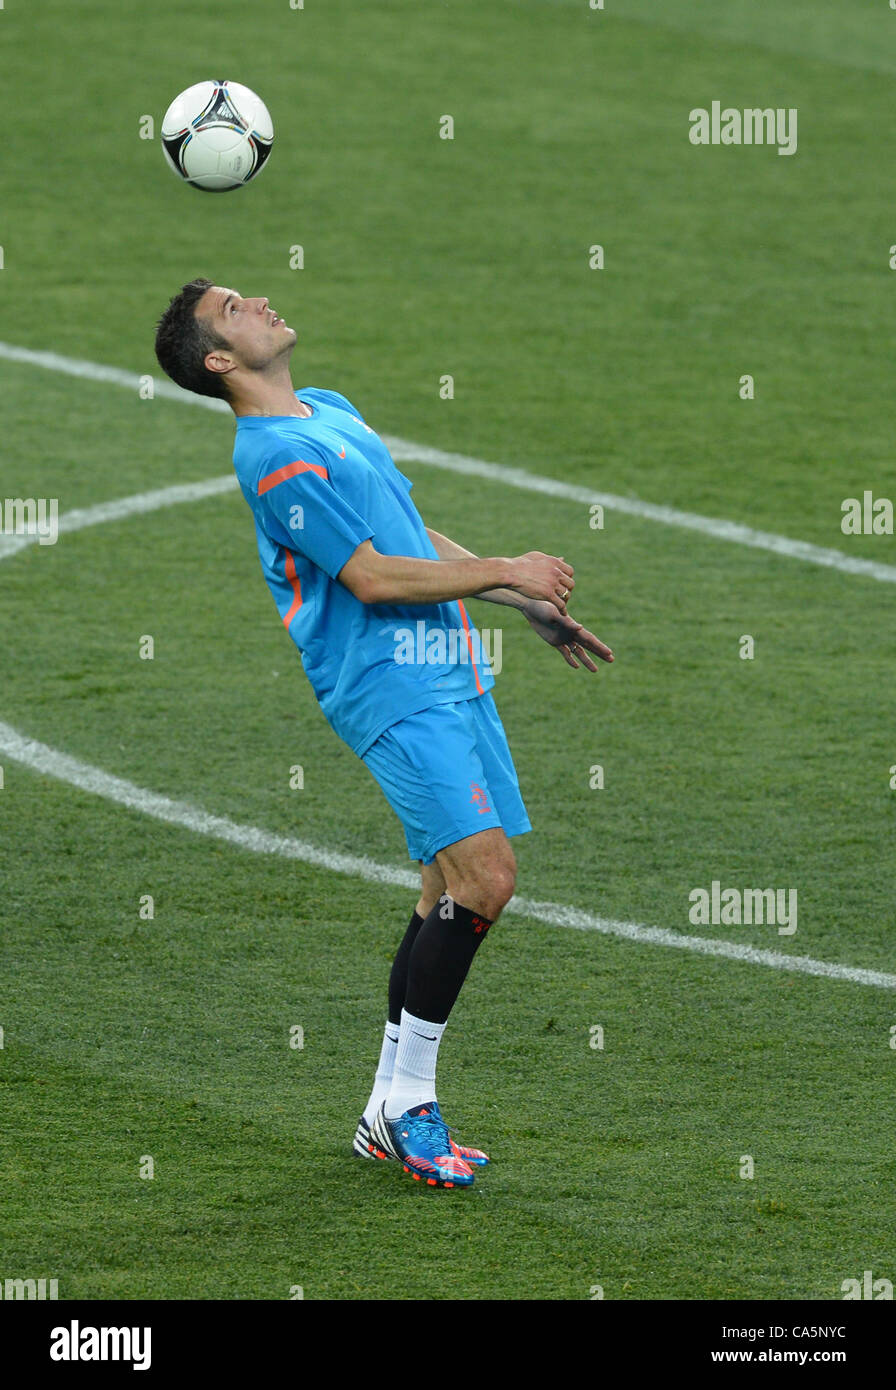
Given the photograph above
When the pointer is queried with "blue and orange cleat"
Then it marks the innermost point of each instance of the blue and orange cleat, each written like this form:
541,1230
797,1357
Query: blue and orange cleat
363,1146
420,1141
475,1157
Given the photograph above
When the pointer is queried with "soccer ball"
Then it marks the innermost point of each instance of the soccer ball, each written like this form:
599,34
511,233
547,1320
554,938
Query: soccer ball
217,135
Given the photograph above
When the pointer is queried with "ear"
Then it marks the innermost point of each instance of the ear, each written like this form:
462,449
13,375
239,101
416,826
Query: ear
219,361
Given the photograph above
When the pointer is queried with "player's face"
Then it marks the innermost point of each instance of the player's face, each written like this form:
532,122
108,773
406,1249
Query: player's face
256,334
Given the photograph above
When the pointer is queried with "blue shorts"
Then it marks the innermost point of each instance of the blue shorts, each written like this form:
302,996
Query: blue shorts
447,773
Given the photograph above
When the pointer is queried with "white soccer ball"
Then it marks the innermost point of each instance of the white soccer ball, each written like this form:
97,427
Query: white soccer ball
217,135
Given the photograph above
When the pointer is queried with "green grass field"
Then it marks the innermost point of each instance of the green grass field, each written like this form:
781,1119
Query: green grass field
125,1038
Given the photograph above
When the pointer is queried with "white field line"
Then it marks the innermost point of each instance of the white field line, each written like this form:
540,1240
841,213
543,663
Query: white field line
80,517
403,450
60,765
52,763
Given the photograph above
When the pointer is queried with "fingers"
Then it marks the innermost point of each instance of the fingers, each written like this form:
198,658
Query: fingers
546,577
571,652
583,658
575,653
594,644
564,583
584,642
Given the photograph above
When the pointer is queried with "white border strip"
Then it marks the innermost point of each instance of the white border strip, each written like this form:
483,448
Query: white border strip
403,450
51,763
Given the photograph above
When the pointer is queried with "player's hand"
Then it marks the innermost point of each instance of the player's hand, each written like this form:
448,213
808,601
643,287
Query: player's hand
544,577
569,637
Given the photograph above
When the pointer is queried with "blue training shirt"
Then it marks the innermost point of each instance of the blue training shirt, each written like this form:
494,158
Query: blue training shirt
318,487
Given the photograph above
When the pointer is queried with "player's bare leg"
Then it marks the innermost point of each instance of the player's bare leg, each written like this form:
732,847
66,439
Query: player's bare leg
432,886
480,872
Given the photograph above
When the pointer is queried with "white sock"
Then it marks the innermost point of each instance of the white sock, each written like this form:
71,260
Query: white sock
385,1067
414,1077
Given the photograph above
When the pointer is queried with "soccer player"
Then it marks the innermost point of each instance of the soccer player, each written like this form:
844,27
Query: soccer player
373,599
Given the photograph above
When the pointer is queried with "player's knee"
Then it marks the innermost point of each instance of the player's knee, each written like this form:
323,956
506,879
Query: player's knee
491,887
504,875
503,883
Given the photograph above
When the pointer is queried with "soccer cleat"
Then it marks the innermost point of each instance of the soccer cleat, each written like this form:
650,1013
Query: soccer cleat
475,1157
420,1141
364,1147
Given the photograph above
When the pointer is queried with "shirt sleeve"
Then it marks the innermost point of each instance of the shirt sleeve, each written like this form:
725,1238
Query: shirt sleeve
317,522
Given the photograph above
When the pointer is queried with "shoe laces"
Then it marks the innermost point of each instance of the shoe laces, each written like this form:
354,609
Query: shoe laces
430,1128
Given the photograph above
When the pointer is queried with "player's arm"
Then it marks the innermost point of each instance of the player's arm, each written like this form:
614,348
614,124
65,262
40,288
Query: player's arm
376,578
573,641
332,535
447,549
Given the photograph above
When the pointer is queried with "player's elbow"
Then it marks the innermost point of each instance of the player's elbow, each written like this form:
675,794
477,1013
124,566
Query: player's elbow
360,575
364,588
359,584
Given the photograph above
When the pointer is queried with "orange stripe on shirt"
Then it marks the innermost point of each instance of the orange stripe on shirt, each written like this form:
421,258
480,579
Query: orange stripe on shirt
289,470
296,588
466,623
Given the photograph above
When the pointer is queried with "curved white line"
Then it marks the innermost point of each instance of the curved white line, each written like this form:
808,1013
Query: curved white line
52,763
60,765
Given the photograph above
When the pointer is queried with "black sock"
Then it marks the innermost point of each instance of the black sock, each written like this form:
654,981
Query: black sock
398,978
440,958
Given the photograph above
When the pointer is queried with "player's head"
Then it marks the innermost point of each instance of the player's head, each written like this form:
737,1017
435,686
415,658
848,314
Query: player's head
211,340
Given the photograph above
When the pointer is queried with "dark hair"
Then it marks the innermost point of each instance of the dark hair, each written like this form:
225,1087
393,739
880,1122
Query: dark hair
182,341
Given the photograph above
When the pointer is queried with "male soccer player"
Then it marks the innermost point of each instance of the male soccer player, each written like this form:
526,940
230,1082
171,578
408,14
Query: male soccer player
352,568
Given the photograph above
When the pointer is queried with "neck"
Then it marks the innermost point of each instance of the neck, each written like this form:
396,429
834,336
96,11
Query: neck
268,396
